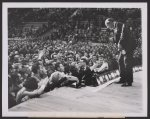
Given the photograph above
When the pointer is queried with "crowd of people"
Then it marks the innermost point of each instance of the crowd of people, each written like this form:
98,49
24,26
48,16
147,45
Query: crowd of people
37,66
31,62
84,22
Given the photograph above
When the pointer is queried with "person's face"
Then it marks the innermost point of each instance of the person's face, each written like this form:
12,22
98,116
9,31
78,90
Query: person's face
94,58
46,53
100,60
46,61
81,63
55,57
26,75
85,54
62,59
20,77
90,63
30,62
71,60
61,68
40,62
110,25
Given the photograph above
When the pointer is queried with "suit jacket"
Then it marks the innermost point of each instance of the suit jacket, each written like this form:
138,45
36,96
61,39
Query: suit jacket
86,75
124,35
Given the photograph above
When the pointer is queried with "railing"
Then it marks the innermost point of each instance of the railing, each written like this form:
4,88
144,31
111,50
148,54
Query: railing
110,75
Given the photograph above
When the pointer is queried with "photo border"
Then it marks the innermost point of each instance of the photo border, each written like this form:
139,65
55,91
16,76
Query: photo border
5,32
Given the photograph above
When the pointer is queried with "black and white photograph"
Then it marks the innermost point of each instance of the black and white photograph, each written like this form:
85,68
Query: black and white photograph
74,59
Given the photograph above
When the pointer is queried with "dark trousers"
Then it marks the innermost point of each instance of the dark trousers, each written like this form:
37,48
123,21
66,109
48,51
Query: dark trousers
125,67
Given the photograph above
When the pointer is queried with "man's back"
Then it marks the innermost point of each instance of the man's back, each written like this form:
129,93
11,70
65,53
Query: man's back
125,36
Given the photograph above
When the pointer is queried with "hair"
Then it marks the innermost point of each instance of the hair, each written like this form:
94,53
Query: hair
84,60
35,68
49,72
31,83
90,61
109,20
14,78
57,65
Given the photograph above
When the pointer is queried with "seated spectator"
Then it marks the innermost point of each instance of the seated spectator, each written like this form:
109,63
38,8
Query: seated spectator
42,70
62,78
35,71
16,81
102,65
57,79
85,74
29,85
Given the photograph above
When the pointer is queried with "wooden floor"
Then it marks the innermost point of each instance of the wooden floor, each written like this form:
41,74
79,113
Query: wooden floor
112,98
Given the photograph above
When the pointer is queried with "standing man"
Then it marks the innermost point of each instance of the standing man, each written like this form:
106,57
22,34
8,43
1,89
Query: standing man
124,38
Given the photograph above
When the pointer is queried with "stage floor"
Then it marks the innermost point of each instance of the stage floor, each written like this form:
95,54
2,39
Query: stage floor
113,99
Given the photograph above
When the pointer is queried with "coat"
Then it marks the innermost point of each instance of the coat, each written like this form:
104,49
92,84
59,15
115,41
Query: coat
124,35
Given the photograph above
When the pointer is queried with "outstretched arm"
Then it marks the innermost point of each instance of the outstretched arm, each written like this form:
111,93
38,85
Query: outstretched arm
93,67
20,95
72,78
103,67
36,92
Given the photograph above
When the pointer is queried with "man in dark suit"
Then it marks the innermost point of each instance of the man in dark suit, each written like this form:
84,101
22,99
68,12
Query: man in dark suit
85,74
124,38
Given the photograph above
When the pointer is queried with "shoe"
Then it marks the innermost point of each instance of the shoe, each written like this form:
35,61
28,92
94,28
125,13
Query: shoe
126,84
119,82
83,85
94,85
78,86
129,84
